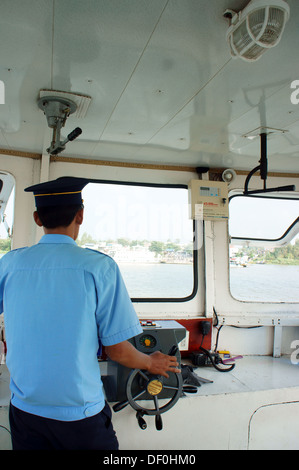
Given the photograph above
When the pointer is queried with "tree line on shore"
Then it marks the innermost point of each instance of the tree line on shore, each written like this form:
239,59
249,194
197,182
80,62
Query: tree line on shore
288,254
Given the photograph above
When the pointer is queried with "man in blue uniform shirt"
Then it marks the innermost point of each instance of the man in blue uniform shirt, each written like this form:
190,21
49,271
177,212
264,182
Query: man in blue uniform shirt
60,302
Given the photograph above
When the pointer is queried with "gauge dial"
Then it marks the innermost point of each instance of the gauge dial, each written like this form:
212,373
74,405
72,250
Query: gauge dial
147,341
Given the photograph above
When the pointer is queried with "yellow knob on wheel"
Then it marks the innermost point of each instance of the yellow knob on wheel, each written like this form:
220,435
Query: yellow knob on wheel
154,387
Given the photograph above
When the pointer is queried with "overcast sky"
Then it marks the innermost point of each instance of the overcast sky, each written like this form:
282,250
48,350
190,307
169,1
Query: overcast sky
137,213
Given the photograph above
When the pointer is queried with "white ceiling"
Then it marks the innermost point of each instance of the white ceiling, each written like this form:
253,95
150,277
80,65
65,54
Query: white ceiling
164,88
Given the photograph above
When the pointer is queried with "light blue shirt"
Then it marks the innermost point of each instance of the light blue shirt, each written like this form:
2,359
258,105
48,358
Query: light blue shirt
59,301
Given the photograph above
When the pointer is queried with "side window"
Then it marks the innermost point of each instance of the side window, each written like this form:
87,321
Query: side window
147,230
7,193
264,248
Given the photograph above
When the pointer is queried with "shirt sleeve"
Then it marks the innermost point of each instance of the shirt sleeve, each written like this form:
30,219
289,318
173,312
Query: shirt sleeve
116,318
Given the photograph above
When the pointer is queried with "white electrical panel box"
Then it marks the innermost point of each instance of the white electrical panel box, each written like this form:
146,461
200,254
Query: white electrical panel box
208,200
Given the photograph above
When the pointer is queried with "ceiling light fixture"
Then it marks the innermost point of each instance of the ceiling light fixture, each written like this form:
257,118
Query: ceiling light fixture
257,28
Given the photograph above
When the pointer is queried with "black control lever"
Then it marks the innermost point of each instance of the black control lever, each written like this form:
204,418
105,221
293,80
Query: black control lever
120,405
190,388
158,422
158,419
141,421
173,350
71,136
58,146
74,134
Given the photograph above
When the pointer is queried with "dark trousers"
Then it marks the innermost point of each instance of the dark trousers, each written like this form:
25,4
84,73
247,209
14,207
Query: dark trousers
31,432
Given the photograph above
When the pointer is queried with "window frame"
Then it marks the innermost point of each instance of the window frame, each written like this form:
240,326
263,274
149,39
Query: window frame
274,241
284,239
195,251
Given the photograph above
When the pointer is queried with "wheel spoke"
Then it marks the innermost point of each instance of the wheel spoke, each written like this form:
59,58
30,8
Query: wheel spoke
169,387
156,402
138,395
143,375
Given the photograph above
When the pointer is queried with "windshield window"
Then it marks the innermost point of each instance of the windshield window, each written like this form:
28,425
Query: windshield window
147,230
264,249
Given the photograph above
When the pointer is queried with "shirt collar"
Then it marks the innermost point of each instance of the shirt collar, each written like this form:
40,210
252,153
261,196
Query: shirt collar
57,238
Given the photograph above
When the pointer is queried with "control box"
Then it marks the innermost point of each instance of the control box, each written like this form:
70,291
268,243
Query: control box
156,336
208,200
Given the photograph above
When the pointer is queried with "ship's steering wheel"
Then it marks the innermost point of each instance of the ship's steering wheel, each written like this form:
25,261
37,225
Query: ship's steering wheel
143,386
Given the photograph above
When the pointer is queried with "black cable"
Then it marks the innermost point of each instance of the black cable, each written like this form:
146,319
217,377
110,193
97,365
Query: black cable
220,369
250,174
216,317
217,337
218,329
245,327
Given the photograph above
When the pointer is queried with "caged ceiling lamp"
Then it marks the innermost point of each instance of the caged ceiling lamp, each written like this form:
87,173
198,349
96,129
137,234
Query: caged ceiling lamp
257,28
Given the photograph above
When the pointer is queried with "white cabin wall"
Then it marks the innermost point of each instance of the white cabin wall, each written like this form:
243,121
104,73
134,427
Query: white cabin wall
246,341
226,421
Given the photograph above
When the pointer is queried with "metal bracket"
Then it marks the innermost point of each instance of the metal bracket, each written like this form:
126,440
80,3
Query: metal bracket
57,110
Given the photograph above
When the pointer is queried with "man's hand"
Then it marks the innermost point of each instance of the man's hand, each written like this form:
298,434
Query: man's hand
156,363
161,363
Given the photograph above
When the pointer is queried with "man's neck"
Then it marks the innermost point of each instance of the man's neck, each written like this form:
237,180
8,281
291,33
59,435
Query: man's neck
69,231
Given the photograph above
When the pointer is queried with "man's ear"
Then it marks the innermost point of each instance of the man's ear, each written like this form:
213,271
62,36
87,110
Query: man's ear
37,219
79,216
